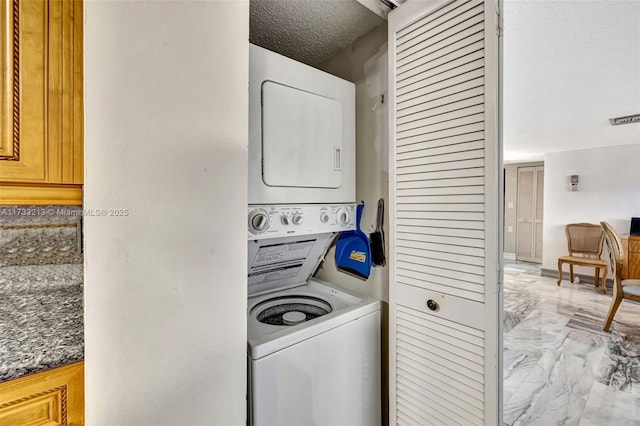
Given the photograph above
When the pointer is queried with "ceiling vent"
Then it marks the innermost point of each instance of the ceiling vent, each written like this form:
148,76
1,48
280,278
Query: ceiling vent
625,120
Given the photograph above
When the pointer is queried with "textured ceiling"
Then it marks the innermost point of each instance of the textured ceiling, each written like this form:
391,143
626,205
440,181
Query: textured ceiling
569,66
309,31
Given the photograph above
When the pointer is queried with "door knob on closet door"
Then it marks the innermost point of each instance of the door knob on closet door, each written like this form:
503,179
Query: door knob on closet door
432,305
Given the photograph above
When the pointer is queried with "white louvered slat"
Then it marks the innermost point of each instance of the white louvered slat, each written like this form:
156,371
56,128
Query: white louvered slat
443,208
425,52
460,50
408,418
469,405
415,265
434,111
443,193
457,110
459,154
441,183
445,337
417,228
461,120
417,107
442,134
443,383
405,255
467,24
462,69
452,410
445,174
445,285
442,190
438,285
427,234
435,167
432,20
463,362
407,412
454,260
422,407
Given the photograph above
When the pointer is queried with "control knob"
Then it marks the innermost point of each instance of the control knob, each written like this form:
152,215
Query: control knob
324,218
297,219
284,220
343,216
258,221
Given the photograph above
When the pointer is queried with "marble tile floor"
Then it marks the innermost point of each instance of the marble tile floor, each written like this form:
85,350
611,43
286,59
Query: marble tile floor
560,367
526,267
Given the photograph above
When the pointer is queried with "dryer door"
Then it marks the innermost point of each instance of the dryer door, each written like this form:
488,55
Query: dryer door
301,138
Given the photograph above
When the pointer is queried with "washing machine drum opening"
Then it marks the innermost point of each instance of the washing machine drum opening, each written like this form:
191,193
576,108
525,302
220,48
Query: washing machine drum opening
291,310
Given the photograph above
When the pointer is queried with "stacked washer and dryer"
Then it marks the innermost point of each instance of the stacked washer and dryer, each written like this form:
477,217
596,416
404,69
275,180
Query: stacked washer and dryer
313,349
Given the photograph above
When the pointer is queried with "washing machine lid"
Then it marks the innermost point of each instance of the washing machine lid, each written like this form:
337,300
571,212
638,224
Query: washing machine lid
279,263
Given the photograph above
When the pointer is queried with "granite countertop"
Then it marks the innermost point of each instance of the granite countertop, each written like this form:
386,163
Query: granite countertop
41,318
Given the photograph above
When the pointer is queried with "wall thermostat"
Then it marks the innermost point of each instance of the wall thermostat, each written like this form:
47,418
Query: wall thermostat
573,185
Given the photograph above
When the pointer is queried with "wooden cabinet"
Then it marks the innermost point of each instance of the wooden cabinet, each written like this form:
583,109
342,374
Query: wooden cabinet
41,108
631,259
53,397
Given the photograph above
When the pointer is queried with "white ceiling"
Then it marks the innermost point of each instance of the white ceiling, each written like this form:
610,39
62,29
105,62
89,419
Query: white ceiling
569,66
309,31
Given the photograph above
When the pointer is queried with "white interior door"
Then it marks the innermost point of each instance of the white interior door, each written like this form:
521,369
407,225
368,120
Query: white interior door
445,162
529,212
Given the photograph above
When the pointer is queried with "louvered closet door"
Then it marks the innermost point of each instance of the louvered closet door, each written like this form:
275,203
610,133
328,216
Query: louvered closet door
445,301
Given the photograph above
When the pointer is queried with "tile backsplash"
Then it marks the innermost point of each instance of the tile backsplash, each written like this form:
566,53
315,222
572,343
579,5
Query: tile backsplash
40,235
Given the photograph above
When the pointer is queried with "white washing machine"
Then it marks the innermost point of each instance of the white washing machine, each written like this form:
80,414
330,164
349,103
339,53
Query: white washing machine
301,133
313,350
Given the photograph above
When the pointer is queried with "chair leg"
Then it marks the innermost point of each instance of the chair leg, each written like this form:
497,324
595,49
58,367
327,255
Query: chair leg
571,272
612,311
604,280
596,280
559,272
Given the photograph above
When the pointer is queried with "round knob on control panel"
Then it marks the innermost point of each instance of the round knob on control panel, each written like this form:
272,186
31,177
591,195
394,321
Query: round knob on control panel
343,216
297,219
284,220
258,221
324,218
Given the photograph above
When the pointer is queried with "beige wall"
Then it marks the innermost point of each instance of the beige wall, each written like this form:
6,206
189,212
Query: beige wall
166,139
365,64
510,199
609,190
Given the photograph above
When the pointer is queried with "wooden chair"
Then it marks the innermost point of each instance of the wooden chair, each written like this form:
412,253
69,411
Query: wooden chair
622,289
584,238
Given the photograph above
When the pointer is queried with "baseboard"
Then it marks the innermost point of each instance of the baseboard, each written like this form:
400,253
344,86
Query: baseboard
584,278
509,256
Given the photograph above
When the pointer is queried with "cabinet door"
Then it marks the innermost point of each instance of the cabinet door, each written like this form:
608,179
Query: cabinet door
23,140
52,397
445,169
41,102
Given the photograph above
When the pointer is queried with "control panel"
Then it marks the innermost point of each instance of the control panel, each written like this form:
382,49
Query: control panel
269,221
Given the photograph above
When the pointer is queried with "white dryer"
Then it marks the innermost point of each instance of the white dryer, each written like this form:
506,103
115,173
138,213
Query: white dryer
313,350
301,133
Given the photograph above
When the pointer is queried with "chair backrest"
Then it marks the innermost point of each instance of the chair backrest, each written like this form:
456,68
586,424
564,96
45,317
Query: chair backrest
614,247
585,238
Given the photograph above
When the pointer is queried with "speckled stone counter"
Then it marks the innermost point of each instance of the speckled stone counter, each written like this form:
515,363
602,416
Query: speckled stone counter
41,318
